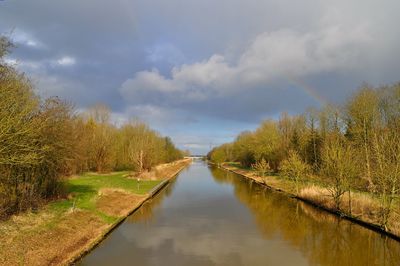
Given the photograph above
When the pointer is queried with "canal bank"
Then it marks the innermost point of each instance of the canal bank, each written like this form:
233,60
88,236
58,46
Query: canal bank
311,195
64,230
210,216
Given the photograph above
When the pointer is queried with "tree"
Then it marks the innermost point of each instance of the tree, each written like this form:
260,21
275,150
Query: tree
101,140
293,132
142,148
242,148
390,106
314,141
219,155
58,142
171,153
262,167
386,174
266,143
339,168
363,118
5,46
36,142
295,168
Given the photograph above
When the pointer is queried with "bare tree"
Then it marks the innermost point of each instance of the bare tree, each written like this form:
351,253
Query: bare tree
386,147
339,168
363,117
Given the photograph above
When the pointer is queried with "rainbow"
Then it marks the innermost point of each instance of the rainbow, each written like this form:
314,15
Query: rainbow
310,91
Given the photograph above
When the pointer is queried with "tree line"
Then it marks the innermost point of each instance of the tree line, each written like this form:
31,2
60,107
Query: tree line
353,146
44,140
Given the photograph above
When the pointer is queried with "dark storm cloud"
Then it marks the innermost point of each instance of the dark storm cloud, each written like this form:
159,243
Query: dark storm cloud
188,63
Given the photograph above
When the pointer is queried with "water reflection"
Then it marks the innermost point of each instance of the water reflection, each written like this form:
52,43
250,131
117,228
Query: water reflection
324,238
146,212
212,217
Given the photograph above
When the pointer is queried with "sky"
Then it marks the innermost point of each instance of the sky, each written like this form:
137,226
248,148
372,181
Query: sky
203,71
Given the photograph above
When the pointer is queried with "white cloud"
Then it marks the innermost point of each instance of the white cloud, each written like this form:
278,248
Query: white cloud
150,80
213,72
24,65
40,66
21,37
66,61
289,53
11,61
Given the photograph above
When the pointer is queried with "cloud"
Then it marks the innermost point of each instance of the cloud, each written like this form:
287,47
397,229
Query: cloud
150,80
271,56
287,52
66,61
23,38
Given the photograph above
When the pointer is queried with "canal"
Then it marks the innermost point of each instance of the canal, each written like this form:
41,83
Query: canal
209,216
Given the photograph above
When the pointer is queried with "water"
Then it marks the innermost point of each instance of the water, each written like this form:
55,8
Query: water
209,216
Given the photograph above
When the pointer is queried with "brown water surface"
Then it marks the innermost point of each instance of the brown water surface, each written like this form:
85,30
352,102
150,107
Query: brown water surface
209,216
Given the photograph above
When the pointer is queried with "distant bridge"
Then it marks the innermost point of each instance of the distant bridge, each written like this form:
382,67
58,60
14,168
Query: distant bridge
196,156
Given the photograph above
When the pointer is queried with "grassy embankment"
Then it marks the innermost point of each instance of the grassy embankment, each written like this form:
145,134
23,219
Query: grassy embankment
364,206
63,230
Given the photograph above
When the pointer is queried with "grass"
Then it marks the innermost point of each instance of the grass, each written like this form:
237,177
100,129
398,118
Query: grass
63,229
84,191
237,165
